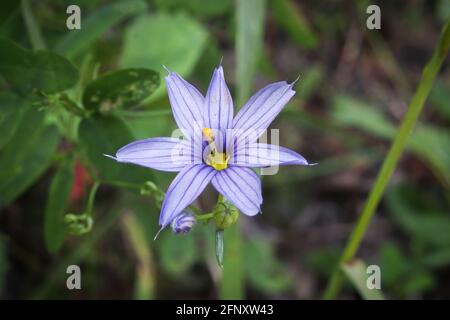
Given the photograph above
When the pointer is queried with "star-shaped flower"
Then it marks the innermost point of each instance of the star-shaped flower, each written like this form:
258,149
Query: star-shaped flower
216,148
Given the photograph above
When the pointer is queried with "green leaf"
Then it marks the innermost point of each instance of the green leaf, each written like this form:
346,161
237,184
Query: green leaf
249,42
420,283
120,89
393,263
263,269
431,144
289,17
183,39
356,272
202,8
57,203
178,253
440,96
96,24
419,215
27,155
11,110
41,70
355,113
101,135
153,123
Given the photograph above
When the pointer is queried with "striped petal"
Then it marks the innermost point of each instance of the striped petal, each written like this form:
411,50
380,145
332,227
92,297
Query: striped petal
259,155
262,108
242,187
219,104
187,104
164,154
183,190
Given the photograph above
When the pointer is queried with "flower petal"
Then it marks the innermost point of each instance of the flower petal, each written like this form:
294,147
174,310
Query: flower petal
242,187
183,190
219,104
258,155
187,104
165,154
262,108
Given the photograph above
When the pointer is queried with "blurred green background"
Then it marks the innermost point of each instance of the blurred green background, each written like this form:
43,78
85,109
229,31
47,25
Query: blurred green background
355,85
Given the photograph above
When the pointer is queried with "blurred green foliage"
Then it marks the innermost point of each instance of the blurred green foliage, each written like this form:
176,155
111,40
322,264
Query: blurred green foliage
93,90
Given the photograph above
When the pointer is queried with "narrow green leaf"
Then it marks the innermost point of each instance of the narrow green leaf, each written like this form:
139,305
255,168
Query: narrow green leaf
289,17
57,203
96,24
41,70
101,135
26,155
181,35
145,277
358,114
249,42
200,8
11,110
356,272
33,28
353,112
120,89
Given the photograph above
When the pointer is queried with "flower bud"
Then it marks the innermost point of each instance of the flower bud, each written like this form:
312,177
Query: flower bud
183,223
225,215
78,224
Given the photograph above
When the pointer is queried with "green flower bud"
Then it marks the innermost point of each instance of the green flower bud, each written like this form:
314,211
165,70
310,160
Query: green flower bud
78,224
225,215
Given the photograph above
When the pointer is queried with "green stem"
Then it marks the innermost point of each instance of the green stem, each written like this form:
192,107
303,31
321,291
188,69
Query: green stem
57,273
232,284
415,107
121,184
36,39
92,193
205,216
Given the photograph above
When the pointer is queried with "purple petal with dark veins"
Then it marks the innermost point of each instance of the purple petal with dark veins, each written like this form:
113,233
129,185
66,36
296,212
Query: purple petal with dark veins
187,104
218,103
259,155
165,154
242,187
183,190
262,108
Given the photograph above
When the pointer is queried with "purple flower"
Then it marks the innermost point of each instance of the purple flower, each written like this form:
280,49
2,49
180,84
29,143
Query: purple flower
183,222
216,148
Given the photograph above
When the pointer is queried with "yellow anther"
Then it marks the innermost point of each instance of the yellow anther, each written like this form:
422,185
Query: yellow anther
215,159
208,134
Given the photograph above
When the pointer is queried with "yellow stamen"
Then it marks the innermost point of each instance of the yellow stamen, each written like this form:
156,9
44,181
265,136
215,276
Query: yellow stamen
208,134
217,160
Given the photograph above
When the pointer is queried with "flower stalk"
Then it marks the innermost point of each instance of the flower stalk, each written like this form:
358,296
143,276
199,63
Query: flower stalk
390,162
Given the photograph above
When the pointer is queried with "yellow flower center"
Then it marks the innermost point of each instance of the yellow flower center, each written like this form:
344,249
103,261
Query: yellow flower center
215,159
